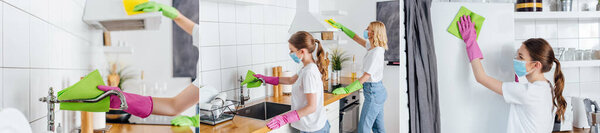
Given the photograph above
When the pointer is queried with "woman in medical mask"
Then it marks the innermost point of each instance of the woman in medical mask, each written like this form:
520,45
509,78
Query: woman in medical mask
371,117
308,113
531,103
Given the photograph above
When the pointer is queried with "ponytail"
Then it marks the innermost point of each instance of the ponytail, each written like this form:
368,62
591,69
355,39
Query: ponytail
322,61
559,84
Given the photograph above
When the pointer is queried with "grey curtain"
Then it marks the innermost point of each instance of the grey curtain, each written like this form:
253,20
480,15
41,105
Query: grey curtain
422,68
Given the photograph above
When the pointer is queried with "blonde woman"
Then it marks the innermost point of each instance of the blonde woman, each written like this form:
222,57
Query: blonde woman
371,118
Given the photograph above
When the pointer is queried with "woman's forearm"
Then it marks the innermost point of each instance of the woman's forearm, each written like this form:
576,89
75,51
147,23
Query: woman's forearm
311,105
174,105
288,80
364,78
485,80
184,23
360,41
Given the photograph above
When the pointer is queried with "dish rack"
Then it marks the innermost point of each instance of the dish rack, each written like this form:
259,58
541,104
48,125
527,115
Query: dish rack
218,115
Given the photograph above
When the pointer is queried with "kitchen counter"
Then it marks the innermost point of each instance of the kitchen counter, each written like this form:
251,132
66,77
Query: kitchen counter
141,128
241,124
576,130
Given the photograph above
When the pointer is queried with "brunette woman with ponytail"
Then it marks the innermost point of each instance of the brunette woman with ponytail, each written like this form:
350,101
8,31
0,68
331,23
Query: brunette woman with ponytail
308,113
533,99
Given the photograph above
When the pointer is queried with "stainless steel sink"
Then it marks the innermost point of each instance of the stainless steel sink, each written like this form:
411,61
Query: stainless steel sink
264,110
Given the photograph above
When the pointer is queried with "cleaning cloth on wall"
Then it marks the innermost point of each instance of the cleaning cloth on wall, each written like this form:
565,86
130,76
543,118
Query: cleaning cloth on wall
251,80
477,20
86,88
130,4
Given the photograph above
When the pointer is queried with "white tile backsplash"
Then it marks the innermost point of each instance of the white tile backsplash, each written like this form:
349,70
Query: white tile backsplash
588,28
16,89
40,82
209,11
39,8
15,37
589,43
546,29
590,90
524,29
210,33
589,74
568,29
249,37
21,4
571,89
571,74
39,40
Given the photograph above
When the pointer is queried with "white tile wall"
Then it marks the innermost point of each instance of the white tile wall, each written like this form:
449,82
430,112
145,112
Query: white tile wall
249,37
44,44
579,34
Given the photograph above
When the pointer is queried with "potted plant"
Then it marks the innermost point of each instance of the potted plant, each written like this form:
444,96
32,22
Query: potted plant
338,57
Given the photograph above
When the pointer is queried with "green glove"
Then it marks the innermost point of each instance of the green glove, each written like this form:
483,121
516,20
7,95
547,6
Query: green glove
348,89
152,6
348,32
183,120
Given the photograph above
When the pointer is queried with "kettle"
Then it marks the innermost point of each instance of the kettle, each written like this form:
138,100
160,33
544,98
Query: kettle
593,115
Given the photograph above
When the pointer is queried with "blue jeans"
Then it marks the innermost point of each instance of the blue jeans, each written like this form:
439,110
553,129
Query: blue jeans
371,116
325,129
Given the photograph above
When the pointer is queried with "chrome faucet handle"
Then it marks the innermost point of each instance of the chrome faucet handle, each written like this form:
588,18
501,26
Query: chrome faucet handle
123,105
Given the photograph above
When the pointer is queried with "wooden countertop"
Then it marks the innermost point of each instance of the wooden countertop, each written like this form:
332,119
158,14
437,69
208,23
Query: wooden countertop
241,124
576,130
140,128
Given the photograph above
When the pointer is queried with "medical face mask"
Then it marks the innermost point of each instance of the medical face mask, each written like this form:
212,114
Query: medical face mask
294,57
368,45
366,34
520,68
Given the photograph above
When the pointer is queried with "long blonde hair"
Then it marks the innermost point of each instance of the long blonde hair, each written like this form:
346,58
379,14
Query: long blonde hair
379,34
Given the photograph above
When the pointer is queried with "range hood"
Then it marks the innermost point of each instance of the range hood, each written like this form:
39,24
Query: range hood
308,18
109,15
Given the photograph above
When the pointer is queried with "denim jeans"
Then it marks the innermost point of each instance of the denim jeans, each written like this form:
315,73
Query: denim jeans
371,117
325,129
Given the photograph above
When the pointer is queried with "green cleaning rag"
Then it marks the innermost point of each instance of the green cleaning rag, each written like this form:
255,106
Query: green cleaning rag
478,20
251,80
86,88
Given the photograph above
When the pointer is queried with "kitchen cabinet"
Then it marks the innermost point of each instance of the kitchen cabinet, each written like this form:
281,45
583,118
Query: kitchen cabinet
332,111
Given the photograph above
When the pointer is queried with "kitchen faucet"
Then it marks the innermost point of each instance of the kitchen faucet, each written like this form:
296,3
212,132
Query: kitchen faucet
51,100
243,98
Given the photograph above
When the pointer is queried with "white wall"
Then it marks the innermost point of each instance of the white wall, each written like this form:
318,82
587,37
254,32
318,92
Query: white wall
44,44
360,14
236,38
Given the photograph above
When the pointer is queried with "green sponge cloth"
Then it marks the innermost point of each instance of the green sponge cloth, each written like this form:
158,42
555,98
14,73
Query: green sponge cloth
86,88
251,80
477,20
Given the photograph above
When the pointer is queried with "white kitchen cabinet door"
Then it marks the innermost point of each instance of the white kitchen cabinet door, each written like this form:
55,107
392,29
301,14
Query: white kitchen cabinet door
15,37
333,116
16,90
465,105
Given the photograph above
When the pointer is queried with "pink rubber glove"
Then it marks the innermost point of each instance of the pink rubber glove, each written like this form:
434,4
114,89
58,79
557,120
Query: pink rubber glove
267,79
469,35
138,105
281,120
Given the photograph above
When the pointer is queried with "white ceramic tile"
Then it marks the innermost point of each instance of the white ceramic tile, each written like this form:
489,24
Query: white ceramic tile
242,14
244,33
227,33
552,41
258,54
589,74
256,14
244,55
588,28
1,86
589,43
261,69
21,4
56,17
271,35
524,29
590,90
15,37
40,126
571,89
16,89
39,40
228,56
257,93
270,16
546,29
209,11
242,70
40,8
55,78
1,53
568,29
571,74
226,12
291,3
39,82
270,56
258,34
210,57
229,79
209,35
212,78
568,43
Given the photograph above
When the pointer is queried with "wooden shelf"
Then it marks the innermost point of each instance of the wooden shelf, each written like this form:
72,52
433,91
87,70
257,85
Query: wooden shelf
117,50
582,63
557,15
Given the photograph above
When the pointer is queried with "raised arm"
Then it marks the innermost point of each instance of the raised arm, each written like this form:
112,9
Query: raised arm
170,12
469,35
348,32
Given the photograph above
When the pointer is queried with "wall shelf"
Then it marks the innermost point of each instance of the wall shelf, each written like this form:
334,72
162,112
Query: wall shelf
557,15
582,63
117,50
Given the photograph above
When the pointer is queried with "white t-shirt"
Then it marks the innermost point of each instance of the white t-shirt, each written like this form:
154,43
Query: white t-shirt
195,42
309,81
531,109
374,63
